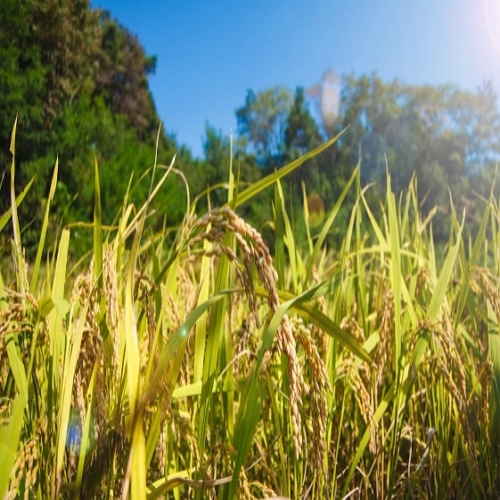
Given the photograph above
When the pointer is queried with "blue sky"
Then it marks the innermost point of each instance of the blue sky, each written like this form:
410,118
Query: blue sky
210,52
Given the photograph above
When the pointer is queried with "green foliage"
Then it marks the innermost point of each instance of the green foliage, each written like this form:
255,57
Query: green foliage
78,82
262,124
448,137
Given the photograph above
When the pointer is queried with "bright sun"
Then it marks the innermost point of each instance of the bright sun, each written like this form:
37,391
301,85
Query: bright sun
492,18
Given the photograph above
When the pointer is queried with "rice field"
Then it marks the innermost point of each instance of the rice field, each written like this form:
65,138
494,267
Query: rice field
216,366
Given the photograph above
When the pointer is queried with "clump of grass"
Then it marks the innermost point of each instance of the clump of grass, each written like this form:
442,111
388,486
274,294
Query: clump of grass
218,368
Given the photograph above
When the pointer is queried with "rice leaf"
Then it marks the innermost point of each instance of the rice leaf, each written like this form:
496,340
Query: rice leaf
323,322
43,233
17,366
69,367
328,224
19,261
20,197
270,179
9,442
438,297
97,226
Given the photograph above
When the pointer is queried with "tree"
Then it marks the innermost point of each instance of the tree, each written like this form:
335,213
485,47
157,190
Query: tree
123,76
78,82
301,133
262,123
448,137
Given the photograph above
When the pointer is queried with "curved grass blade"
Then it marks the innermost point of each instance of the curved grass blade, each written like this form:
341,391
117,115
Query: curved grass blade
20,197
267,181
43,233
326,227
322,321
97,226
20,269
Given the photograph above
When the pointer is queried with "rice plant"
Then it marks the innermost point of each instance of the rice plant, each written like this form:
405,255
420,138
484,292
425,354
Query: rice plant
219,367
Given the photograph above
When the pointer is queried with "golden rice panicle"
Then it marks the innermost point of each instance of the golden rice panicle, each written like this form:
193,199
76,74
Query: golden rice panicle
114,312
244,341
86,292
24,474
146,287
321,304
255,251
488,289
362,397
451,366
385,347
318,387
285,340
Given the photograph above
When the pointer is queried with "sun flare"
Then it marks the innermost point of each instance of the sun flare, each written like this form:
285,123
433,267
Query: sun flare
492,18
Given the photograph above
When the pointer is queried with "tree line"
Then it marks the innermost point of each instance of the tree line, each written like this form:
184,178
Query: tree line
78,82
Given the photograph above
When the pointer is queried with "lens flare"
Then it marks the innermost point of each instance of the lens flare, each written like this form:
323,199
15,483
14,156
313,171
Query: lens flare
316,209
373,153
75,433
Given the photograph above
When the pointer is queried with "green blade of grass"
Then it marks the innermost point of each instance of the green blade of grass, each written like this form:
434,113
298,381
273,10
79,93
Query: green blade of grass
138,457
474,257
174,342
56,334
86,441
17,366
290,243
70,360
20,197
438,296
20,268
328,224
279,243
97,226
267,181
215,335
322,321
379,413
43,233
201,325
395,274
9,442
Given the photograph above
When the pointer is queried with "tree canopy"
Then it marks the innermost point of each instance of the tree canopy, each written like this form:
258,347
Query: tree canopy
78,82
449,138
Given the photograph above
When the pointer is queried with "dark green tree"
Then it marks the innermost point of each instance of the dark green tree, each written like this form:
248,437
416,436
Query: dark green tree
123,76
78,82
302,132
262,123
